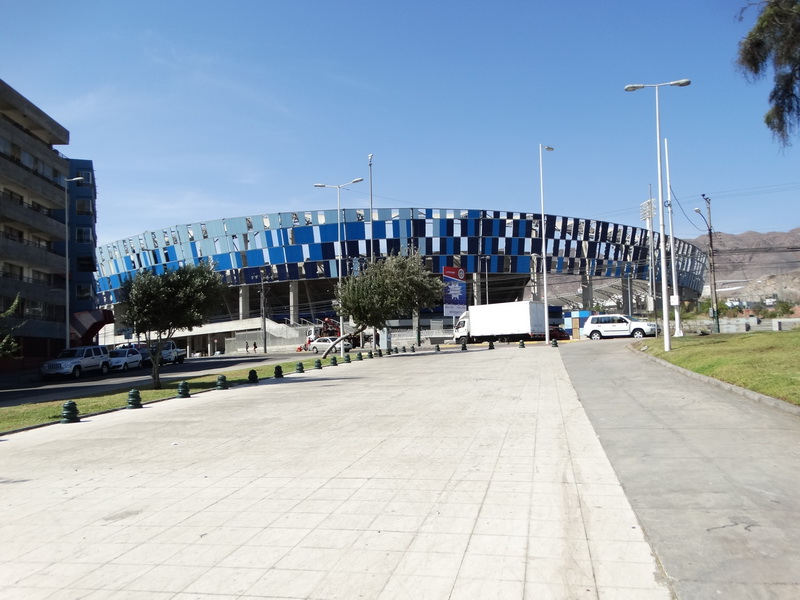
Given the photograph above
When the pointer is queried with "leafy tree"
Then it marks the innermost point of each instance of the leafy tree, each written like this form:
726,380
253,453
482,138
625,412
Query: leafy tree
774,41
160,305
387,289
8,344
783,308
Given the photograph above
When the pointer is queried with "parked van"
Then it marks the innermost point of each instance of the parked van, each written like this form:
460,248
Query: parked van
598,327
74,362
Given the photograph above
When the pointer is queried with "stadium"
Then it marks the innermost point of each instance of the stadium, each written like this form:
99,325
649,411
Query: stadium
282,268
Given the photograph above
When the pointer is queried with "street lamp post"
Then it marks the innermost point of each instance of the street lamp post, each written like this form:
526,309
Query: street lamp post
675,290
661,233
339,229
714,301
371,232
544,245
66,255
371,237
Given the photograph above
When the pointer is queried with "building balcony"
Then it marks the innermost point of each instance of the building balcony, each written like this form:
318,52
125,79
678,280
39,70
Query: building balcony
30,216
30,254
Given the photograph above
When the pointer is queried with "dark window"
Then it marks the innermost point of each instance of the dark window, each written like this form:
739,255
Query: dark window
86,264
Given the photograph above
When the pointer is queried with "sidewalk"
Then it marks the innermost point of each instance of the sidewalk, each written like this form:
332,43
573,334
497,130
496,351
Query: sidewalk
452,475
713,475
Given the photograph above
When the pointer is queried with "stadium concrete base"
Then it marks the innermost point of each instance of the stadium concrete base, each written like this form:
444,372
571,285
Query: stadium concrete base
452,475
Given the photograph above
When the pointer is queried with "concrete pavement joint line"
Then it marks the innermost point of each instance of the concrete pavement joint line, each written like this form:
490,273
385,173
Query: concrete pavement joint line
591,447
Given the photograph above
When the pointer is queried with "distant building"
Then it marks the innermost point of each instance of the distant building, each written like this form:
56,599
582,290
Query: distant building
33,193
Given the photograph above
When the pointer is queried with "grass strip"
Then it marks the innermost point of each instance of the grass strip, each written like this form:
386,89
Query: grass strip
14,418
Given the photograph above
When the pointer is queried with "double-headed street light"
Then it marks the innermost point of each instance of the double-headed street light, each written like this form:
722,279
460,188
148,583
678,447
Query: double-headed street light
544,246
661,233
714,301
339,215
66,255
339,228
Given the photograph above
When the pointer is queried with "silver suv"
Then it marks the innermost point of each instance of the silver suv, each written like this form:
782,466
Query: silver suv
74,362
598,327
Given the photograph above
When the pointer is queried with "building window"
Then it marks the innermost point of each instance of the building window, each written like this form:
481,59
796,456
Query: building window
83,235
83,206
86,264
83,291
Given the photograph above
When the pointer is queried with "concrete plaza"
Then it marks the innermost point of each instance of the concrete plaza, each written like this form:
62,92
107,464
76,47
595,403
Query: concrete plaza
452,475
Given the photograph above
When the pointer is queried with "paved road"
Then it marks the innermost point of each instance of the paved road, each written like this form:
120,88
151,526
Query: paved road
447,475
713,477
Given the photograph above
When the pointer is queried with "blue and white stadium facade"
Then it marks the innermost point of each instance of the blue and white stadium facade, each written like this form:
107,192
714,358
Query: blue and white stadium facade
287,263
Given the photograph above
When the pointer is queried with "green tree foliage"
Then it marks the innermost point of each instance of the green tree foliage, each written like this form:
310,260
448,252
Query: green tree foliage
160,305
8,344
387,289
774,41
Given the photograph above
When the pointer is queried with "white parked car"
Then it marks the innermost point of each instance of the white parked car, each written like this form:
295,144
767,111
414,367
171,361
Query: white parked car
123,359
74,362
323,343
598,327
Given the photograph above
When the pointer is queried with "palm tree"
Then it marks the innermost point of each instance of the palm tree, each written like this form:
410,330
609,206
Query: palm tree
774,41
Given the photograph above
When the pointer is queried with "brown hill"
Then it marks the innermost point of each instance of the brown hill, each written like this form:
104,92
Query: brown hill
754,265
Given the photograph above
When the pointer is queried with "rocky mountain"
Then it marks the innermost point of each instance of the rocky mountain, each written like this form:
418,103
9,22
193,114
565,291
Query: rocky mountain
753,266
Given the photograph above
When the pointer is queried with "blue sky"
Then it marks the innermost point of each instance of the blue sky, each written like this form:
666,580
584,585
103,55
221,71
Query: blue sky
198,110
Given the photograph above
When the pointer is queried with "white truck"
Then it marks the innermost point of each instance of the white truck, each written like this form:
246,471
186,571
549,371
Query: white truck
503,322
171,352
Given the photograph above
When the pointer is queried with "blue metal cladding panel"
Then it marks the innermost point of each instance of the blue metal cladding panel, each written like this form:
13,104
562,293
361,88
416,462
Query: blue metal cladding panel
355,231
251,275
327,233
329,251
276,256
303,235
255,257
315,252
223,262
294,254
379,230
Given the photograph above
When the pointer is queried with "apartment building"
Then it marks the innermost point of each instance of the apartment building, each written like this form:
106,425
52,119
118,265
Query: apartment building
34,252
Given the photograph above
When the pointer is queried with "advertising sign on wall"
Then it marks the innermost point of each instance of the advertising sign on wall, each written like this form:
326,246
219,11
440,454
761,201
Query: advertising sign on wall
455,291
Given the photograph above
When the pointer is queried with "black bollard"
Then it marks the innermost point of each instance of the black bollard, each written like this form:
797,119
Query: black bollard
521,344
252,376
491,345
298,368
278,372
222,382
69,412
347,358
134,399
464,347
436,348
359,357
183,390
317,364
554,343
334,362
370,354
